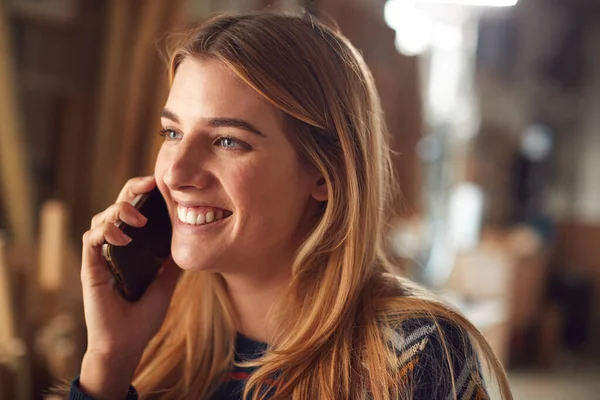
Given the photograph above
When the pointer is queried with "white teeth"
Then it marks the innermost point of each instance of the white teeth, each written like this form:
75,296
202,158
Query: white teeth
210,216
189,216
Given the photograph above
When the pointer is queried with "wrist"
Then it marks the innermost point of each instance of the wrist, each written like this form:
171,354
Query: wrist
105,376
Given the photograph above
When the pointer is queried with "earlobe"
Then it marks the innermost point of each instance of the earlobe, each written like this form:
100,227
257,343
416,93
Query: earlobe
319,192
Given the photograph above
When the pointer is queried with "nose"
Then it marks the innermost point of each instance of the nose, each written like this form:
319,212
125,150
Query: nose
186,166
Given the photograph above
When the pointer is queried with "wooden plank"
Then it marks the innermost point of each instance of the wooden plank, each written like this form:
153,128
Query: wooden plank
154,141
13,354
178,13
58,298
53,241
106,133
15,176
58,264
8,329
138,90
73,160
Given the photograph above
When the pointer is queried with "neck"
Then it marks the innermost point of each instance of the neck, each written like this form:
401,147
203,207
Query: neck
252,297
253,292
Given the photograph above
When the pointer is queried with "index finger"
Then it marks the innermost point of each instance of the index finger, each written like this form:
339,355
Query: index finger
135,186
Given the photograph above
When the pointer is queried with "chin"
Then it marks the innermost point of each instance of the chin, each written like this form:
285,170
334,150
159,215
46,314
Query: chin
190,260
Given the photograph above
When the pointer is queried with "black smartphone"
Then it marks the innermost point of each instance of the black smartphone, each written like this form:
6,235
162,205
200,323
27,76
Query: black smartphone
134,266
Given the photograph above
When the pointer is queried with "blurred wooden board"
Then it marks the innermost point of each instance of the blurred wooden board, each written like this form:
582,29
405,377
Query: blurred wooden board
14,172
13,354
7,318
133,92
137,91
106,133
152,142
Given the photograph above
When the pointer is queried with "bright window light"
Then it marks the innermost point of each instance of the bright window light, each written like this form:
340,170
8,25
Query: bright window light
412,25
415,25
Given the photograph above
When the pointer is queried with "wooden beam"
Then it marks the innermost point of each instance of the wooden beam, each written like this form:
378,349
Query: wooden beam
139,91
58,264
8,329
155,141
107,132
15,176
73,160
178,13
13,353
53,242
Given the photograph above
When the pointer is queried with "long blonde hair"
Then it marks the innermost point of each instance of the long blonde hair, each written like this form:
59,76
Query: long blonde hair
343,293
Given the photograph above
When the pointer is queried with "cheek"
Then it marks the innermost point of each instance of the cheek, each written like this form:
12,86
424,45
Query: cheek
270,196
250,187
265,183
160,165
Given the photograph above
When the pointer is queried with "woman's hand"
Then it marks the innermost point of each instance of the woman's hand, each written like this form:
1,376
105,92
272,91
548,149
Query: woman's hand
118,331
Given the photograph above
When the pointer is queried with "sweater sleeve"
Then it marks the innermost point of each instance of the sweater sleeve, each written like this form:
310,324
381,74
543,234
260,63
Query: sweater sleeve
76,393
421,351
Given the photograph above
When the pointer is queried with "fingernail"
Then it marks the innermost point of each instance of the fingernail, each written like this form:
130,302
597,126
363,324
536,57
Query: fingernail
126,238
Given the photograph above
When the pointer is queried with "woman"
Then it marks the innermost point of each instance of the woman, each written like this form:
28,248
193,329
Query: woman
277,174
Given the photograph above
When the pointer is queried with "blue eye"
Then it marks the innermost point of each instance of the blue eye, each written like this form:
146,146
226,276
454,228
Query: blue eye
226,142
168,134
229,143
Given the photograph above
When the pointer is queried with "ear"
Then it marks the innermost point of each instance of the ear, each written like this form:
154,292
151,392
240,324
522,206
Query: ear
319,191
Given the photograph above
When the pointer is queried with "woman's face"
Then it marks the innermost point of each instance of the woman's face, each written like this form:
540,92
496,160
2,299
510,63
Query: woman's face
239,198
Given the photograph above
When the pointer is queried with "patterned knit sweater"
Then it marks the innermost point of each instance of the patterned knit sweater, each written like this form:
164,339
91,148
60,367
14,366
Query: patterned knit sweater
419,350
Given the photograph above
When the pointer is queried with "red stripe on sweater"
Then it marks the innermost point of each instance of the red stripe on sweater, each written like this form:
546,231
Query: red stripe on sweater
236,376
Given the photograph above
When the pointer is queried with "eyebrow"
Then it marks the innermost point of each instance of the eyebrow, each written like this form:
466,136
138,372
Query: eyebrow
218,122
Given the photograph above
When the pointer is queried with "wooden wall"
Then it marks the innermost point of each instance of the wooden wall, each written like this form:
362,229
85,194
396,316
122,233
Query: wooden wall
87,88
81,119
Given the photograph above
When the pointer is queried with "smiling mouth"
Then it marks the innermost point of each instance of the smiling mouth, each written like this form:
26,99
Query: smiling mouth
206,216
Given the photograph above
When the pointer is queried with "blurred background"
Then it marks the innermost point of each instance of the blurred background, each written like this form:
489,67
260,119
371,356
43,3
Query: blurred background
494,110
